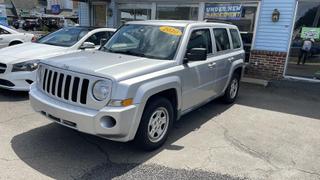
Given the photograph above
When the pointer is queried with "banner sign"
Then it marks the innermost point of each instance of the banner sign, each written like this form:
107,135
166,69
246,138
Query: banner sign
55,9
223,11
310,33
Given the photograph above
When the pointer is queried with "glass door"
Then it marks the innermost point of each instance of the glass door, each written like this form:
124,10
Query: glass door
99,15
304,55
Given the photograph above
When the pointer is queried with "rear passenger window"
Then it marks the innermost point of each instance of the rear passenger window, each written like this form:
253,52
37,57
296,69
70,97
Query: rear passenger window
235,39
222,39
200,39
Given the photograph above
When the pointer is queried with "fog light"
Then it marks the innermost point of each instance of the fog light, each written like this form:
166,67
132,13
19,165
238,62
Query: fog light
107,122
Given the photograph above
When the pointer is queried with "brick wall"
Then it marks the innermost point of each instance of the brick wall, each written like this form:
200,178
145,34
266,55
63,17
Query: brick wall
266,64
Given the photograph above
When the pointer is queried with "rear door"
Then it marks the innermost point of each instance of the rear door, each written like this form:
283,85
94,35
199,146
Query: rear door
224,58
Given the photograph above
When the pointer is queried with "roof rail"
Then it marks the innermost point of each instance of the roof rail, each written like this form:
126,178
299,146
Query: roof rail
217,21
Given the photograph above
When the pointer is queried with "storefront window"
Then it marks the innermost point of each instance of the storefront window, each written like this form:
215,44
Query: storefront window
304,56
177,12
134,15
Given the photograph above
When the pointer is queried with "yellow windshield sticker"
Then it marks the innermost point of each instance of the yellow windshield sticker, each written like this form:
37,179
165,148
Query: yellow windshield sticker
171,30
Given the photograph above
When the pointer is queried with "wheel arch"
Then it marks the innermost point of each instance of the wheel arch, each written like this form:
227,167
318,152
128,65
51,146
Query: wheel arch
15,41
237,67
162,87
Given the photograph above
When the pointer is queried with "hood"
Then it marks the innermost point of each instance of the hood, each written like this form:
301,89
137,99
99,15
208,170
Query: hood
116,66
29,51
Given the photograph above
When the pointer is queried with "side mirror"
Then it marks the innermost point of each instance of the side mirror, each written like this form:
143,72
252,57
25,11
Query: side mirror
103,41
197,54
87,45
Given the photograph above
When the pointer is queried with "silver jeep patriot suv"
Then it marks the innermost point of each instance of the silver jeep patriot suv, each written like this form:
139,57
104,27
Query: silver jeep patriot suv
144,78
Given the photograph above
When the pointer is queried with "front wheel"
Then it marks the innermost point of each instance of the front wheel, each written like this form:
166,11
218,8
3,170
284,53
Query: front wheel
155,124
232,90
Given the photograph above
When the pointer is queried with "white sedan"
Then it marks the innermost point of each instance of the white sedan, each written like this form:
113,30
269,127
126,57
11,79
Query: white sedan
10,37
18,63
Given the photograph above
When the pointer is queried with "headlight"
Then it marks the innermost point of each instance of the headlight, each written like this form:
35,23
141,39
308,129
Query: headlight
26,66
101,90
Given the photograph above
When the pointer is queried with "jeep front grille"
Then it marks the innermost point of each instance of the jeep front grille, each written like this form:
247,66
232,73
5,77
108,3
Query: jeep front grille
65,86
3,68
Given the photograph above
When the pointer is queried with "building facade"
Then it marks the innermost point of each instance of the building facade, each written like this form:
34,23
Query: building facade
275,33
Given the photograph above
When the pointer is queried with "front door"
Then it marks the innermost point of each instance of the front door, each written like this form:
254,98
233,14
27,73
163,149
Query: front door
99,15
5,37
198,76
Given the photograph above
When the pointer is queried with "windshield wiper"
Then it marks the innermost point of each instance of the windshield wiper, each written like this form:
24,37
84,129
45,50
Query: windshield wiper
127,52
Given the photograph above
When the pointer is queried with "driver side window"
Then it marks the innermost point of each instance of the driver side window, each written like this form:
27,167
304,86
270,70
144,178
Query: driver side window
200,38
96,38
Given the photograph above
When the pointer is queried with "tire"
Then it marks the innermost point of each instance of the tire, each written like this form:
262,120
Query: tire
14,43
232,90
147,137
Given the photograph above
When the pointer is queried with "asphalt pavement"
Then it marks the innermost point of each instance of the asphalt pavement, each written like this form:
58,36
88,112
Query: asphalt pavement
269,133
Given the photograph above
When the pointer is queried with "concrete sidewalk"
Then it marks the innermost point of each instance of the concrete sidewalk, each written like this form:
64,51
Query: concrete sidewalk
270,133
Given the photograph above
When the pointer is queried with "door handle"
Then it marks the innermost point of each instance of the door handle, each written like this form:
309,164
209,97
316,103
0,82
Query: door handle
212,65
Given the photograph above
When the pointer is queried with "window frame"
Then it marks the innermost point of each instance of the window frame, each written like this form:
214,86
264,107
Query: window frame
231,40
215,41
213,49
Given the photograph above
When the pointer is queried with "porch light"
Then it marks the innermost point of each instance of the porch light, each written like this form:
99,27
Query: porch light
275,15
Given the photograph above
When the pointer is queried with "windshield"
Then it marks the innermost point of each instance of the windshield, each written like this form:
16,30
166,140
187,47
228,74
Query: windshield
155,42
64,37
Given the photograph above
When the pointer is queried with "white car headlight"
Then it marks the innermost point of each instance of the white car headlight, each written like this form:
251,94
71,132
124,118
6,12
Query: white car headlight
101,90
26,66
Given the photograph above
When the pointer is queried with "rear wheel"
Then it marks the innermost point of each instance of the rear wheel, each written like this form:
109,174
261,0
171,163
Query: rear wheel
155,124
232,90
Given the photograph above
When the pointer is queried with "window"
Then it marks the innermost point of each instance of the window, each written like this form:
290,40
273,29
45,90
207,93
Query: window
304,56
177,12
2,31
235,38
200,39
134,15
65,37
96,38
222,39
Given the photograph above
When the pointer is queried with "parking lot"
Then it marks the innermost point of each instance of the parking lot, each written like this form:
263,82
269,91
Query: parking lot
270,133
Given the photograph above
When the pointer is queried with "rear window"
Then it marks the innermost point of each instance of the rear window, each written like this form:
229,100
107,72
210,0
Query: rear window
235,39
222,39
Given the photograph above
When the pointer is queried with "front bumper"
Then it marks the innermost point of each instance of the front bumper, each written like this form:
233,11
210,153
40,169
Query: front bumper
87,120
17,81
